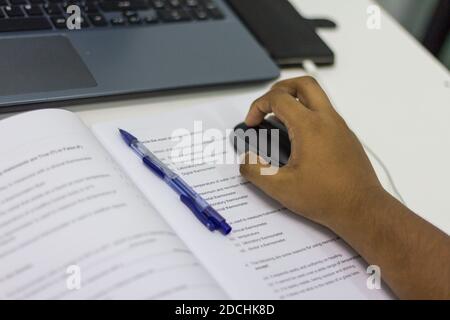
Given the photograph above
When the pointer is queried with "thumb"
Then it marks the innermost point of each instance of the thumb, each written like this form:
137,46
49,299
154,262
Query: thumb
256,170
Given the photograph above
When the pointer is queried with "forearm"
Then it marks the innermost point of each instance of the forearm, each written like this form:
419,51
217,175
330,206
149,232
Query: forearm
413,255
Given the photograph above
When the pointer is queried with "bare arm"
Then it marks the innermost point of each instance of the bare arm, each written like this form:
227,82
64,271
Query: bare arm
330,180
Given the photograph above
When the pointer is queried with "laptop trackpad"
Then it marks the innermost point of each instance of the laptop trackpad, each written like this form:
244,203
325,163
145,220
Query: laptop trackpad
41,64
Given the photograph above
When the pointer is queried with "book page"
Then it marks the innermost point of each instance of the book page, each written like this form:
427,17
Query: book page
271,252
73,226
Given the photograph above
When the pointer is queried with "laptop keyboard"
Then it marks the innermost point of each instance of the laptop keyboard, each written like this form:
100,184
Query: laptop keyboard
26,15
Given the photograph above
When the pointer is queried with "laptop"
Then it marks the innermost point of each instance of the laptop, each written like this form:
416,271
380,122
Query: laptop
123,47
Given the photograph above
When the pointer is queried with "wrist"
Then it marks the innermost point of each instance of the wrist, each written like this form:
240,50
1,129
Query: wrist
361,208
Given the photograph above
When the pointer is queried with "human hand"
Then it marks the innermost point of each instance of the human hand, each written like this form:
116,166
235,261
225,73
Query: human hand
328,175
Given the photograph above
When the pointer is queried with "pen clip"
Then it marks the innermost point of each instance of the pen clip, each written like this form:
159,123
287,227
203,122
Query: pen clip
218,220
200,216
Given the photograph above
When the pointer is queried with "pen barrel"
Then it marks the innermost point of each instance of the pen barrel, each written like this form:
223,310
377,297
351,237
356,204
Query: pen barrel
181,187
200,216
157,170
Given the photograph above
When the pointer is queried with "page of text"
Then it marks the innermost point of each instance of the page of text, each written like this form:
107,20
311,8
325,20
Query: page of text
73,226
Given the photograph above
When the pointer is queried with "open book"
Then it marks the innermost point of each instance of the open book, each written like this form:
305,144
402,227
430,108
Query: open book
82,218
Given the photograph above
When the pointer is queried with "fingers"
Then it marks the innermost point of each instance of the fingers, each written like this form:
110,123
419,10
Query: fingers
284,105
308,91
263,175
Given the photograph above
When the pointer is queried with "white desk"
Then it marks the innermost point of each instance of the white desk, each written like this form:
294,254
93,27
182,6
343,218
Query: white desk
389,89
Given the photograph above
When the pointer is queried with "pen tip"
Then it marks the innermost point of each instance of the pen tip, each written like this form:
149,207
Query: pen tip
127,137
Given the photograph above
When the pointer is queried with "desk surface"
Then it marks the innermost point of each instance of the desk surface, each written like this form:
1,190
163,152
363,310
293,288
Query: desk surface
393,94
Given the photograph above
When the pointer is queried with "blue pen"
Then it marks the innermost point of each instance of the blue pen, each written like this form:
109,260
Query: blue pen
209,217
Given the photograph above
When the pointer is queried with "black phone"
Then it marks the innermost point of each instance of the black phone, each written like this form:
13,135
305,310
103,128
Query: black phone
287,36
